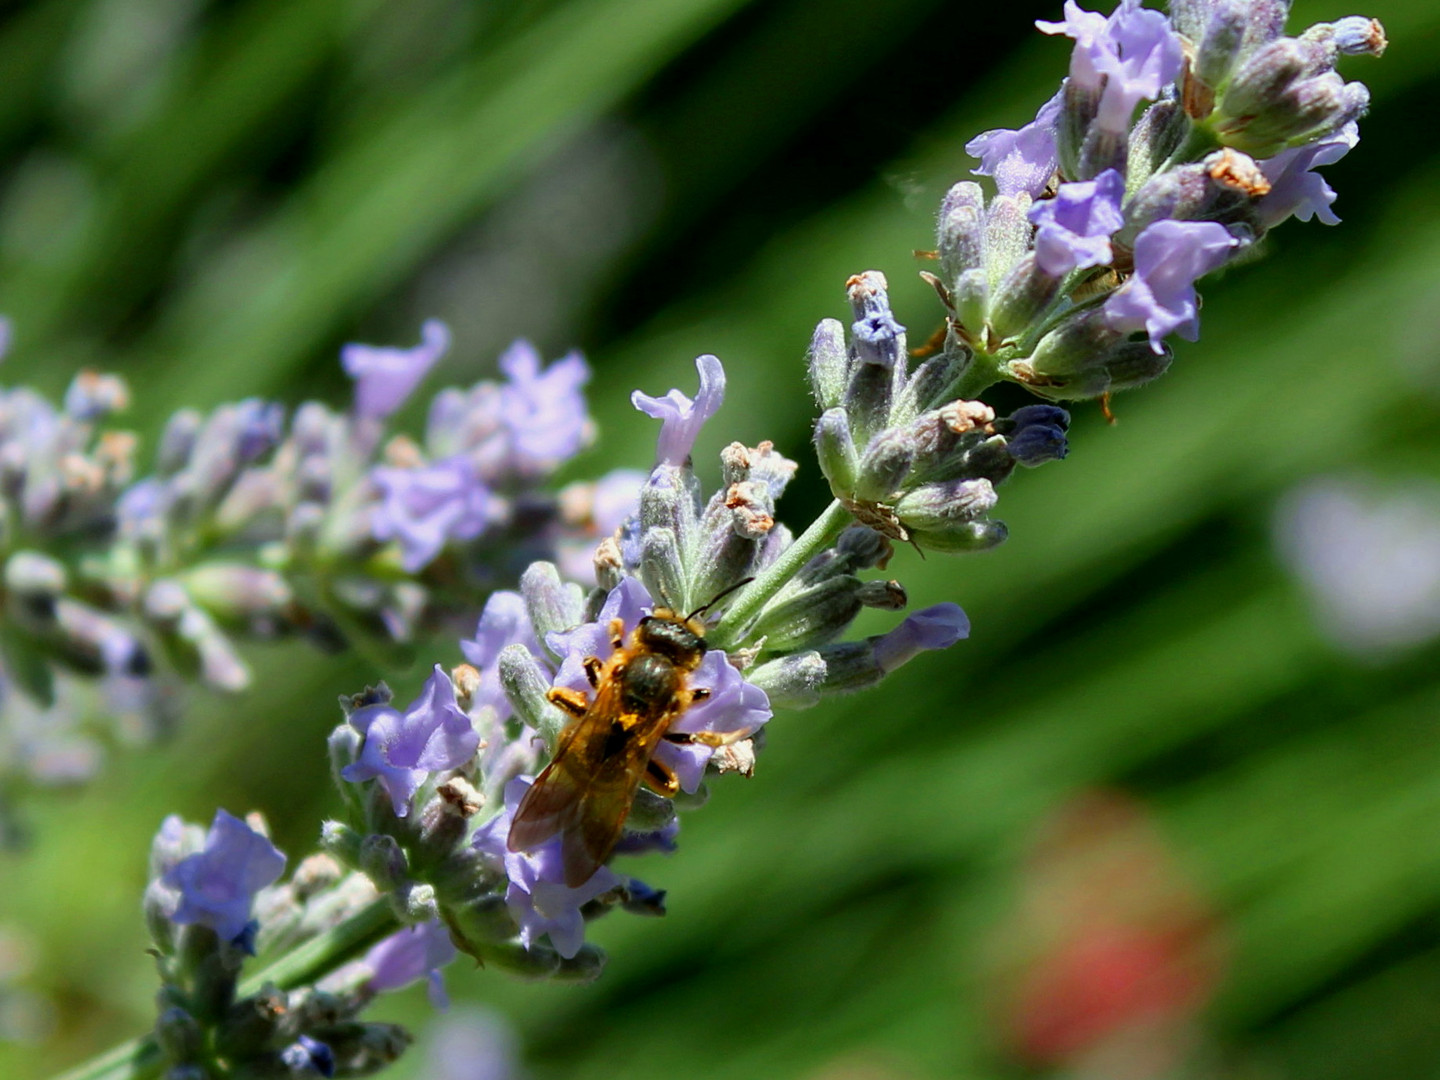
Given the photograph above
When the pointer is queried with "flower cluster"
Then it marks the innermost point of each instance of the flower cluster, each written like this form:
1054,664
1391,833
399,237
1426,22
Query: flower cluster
1103,220
250,526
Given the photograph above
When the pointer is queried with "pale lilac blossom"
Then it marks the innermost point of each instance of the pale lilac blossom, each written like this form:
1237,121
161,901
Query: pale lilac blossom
935,627
414,953
1074,228
1023,160
1295,188
1160,298
543,409
385,376
681,418
425,507
401,750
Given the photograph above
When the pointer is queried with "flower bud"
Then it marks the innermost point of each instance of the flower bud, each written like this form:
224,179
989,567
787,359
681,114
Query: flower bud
946,506
791,682
885,464
525,687
839,460
662,567
806,616
1218,49
879,361
585,966
383,862
1007,235
829,364
178,1035
970,296
965,536
551,604
960,231
1021,298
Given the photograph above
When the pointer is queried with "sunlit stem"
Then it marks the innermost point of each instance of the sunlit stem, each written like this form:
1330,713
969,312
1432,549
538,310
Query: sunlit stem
747,604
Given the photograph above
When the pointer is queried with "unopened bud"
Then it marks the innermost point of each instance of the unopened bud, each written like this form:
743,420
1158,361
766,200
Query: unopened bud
829,364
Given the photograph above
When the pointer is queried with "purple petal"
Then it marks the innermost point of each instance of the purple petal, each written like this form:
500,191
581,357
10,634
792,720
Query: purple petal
544,410
1169,257
1022,160
414,953
218,884
425,507
1076,225
385,377
1297,190
936,627
681,419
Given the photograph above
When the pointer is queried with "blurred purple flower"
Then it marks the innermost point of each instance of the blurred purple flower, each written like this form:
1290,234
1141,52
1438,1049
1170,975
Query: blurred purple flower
416,952
402,750
543,410
537,896
1160,298
1295,188
1076,225
681,419
427,506
216,885
935,627
1022,160
472,1045
385,376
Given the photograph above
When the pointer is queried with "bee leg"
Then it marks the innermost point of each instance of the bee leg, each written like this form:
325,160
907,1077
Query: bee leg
572,701
617,633
592,665
716,738
661,778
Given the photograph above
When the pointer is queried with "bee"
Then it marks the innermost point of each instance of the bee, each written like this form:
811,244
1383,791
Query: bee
606,751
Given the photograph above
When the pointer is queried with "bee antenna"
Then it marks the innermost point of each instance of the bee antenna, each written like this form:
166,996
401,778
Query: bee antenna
718,597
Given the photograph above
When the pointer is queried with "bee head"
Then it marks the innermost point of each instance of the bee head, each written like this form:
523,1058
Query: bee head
681,641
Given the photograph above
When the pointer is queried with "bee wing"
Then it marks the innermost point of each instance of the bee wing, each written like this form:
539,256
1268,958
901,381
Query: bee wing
584,794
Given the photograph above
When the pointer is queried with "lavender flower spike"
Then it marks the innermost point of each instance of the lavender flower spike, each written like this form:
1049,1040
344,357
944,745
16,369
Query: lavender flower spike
537,896
401,751
681,418
385,376
417,952
217,885
1169,257
1076,225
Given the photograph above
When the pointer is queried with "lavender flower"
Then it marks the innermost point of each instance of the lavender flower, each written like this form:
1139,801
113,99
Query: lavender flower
1295,189
416,952
1169,257
503,622
426,507
1074,228
1126,58
217,885
543,410
402,750
537,896
473,1044
385,377
935,627
307,1056
1023,160
681,418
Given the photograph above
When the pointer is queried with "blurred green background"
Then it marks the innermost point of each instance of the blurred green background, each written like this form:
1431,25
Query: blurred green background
210,197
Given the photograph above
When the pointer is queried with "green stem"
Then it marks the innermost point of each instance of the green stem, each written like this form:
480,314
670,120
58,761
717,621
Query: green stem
140,1059
820,535
978,377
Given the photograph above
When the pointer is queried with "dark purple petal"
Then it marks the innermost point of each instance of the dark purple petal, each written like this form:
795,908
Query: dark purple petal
681,419
385,377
